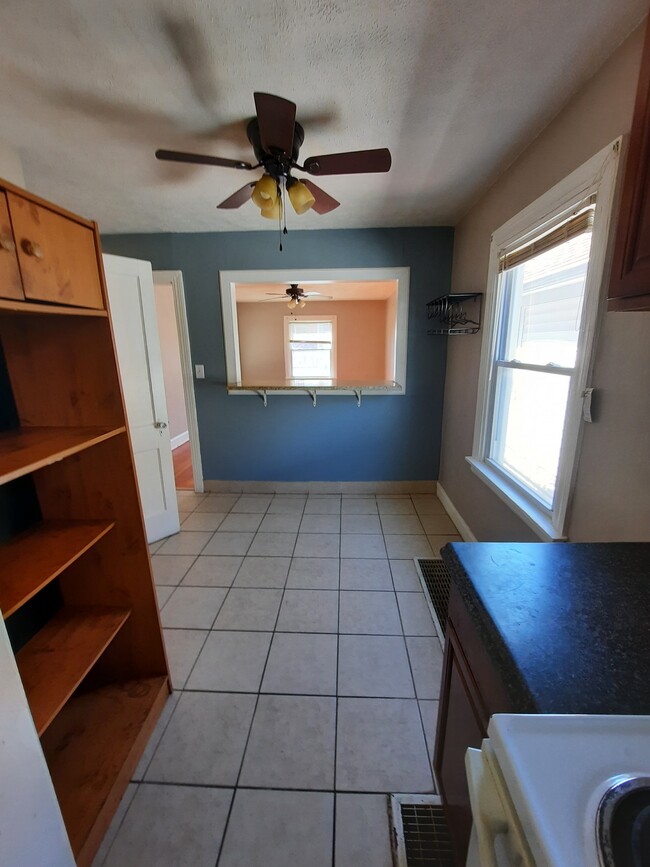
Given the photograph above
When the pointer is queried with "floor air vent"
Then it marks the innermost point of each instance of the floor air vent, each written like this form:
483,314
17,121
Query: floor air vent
436,583
419,832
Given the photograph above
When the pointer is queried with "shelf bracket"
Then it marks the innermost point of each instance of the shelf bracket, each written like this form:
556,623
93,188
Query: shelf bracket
357,394
312,394
262,394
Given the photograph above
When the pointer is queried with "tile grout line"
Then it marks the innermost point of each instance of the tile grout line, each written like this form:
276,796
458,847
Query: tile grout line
415,691
250,727
336,701
259,689
207,635
141,782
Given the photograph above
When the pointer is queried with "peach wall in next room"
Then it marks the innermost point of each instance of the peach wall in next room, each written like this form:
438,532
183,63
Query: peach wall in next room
361,338
171,359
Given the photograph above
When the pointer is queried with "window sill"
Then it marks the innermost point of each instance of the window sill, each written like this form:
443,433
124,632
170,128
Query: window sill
535,518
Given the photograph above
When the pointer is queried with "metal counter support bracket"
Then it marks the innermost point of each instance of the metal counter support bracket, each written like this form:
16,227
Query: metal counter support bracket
312,394
357,394
262,394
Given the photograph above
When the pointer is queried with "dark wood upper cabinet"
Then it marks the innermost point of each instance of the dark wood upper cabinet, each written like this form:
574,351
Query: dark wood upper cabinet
629,287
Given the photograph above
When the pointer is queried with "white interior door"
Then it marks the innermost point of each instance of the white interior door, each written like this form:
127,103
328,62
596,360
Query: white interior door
133,311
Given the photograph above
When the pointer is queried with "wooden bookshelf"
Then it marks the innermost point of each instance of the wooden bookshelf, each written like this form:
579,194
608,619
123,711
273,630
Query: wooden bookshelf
30,448
92,658
59,656
27,307
92,749
34,558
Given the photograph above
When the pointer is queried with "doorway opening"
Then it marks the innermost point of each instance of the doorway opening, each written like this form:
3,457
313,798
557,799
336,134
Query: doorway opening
177,374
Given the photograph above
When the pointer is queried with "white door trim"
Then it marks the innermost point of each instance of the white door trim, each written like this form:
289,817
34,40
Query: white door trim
178,291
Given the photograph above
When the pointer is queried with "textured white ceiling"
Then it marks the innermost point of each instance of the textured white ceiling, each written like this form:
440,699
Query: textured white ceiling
455,88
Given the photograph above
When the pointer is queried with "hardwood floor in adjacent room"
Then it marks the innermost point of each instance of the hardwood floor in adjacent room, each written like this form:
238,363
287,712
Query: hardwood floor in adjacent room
183,475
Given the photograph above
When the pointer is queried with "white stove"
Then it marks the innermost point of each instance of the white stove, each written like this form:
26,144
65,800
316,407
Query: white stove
537,784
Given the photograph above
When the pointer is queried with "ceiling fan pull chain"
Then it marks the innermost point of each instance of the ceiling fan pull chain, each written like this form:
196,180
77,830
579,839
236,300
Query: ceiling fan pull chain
284,205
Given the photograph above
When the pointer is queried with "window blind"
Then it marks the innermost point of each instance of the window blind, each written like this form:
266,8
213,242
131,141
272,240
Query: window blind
576,224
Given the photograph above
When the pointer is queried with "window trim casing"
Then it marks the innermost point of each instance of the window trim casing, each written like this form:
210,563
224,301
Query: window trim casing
229,279
298,317
598,175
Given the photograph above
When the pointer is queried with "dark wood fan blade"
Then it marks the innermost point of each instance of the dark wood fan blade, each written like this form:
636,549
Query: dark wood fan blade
201,159
324,202
351,163
237,199
277,119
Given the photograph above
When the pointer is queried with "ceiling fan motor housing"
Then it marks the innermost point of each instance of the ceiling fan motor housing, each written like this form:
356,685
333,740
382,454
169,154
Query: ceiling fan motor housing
277,165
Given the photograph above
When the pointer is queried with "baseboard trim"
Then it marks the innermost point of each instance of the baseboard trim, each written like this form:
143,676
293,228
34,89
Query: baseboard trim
456,517
180,440
246,487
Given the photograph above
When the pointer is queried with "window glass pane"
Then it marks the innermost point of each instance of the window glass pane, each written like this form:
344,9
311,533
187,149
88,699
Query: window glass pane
543,305
311,363
529,412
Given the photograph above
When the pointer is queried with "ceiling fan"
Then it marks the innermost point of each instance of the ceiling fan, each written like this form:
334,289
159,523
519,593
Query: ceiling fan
297,296
276,139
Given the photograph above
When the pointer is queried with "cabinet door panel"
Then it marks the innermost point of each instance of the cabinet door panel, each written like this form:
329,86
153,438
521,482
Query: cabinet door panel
462,723
10,282
630,282
57,256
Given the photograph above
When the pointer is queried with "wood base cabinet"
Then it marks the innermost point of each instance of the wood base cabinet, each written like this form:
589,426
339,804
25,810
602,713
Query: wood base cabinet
471,691
76,590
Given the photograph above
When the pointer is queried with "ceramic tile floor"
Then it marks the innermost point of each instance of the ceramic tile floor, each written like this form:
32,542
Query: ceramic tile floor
306,679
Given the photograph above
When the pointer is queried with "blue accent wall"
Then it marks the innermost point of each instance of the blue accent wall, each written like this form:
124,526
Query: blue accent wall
386,438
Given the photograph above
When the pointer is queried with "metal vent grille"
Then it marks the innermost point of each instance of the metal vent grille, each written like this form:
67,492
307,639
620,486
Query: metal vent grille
420,834
436,583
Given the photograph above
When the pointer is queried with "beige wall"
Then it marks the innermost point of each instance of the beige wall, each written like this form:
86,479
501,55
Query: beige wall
612,491
11,167
361,330
171,359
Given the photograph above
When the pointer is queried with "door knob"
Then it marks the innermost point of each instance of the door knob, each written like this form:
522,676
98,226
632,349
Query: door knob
160,425
32,249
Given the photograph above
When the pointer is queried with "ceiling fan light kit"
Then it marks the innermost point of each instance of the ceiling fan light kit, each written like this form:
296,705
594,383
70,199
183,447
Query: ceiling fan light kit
265,192
300,196
297,296
276,139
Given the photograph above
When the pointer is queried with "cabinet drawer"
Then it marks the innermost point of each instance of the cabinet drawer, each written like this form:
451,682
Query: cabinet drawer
57,256
10,282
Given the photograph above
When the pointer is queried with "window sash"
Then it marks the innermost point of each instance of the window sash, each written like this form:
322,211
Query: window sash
493,423
321,339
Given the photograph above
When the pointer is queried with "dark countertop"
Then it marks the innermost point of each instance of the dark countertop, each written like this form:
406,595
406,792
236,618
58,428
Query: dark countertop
567,625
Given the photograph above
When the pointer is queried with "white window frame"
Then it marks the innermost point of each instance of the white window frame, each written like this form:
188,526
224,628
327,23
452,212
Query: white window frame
227,288
598,175
287,351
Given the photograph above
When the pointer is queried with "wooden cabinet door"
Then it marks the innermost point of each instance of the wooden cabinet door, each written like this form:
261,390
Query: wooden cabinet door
630,281
462,723
57,256
10,283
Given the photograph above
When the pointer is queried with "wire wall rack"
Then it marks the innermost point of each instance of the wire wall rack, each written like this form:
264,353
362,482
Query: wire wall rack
456,313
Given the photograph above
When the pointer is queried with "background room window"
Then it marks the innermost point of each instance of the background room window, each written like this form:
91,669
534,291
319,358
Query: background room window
546,272
310,347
